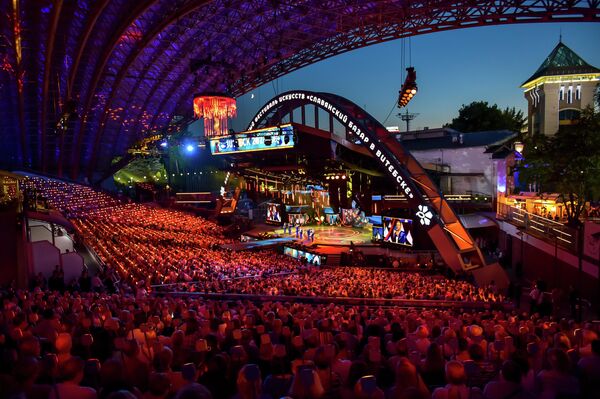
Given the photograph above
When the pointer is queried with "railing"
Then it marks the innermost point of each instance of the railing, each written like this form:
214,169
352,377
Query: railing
565,236
404,303
191,283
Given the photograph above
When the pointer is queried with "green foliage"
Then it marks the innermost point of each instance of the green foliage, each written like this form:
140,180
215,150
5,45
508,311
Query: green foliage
480,116
142,169
567,163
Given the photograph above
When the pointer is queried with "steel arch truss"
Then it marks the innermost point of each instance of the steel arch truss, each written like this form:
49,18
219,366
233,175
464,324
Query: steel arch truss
126,64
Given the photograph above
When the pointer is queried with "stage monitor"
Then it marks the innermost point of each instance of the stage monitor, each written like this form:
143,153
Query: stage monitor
274,212
397,231
270,138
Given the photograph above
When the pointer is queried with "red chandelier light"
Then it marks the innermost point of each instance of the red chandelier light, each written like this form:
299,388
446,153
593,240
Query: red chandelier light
216,109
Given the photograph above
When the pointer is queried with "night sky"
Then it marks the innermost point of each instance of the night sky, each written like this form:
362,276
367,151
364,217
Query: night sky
453,68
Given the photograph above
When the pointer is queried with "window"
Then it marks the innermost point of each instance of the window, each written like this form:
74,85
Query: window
569,115
578,92
561,93
570,95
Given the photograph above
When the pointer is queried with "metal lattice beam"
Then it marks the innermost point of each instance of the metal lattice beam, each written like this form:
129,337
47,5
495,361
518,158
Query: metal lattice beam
108,54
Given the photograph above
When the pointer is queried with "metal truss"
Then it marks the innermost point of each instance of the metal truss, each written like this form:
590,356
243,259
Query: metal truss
127,63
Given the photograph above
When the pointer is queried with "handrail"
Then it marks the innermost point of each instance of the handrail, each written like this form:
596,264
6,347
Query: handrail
405,303
565,236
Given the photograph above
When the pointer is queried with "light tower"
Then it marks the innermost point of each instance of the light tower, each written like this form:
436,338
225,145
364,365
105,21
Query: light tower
407,117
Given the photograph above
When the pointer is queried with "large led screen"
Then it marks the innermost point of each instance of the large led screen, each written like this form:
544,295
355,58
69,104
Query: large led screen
271,138
298,219
397,231
274,213
311,259
353,217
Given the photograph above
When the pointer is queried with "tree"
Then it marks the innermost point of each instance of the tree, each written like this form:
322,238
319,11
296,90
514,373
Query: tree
567,163
480,116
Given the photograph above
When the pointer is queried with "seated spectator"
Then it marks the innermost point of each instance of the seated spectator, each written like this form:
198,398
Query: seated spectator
509,385
432,368
557,380
589,371
306,384
479,371
408,382
456,387
159,386
71,373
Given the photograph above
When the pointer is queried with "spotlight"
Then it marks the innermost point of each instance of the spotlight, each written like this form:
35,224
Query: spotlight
343,176
189,148
409,88
163,144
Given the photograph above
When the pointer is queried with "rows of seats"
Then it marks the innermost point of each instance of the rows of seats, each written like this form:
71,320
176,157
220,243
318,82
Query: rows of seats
71,199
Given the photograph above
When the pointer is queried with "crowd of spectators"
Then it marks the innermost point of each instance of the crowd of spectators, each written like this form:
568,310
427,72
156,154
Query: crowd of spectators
71,199
153,244
150,245
355,282
100,339
88,345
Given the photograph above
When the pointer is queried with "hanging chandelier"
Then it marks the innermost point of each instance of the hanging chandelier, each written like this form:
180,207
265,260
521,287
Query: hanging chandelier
216,109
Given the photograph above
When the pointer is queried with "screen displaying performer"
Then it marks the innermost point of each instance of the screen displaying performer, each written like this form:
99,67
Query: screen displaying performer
397,231
310,258
377,233
353,217
274,213
298,219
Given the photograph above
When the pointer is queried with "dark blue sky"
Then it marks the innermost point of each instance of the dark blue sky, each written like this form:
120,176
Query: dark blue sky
453,68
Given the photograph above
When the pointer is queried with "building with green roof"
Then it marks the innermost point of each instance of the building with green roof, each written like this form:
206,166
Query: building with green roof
560,88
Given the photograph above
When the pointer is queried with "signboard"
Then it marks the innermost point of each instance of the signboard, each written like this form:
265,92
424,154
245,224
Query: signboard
271,138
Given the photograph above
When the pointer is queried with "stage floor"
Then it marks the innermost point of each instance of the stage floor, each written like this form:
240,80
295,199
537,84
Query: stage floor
324,235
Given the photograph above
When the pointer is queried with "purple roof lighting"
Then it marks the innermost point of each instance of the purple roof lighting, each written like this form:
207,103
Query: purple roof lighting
127,64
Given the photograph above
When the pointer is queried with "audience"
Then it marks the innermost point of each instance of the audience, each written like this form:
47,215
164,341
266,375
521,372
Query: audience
116,335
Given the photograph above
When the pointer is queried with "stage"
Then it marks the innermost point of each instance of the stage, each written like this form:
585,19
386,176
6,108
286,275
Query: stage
324,235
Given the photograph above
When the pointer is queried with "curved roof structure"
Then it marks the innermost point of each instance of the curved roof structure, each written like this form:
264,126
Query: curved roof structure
82,80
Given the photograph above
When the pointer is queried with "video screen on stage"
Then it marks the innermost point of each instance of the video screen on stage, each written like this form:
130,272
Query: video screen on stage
274,213
397,231
353,217
298,219
377,233
311,259
332,219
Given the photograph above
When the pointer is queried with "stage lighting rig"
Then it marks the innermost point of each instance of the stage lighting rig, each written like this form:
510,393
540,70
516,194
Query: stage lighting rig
409,88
